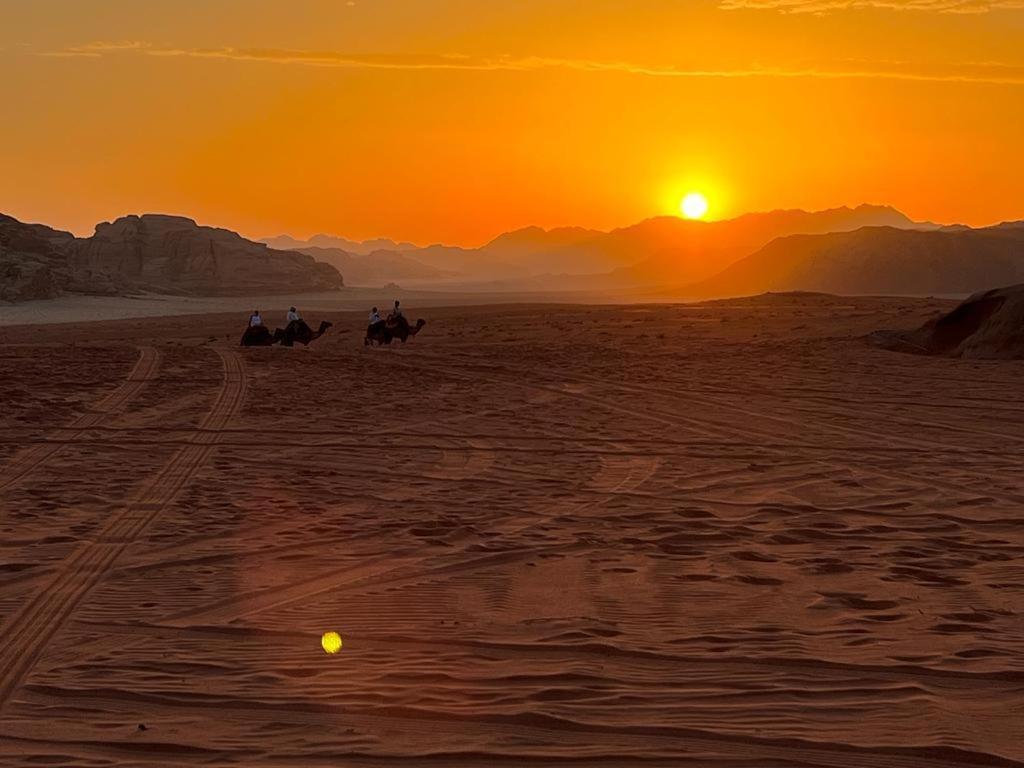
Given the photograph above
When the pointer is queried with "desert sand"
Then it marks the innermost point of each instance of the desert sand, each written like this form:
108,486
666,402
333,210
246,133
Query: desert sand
73,310
731,534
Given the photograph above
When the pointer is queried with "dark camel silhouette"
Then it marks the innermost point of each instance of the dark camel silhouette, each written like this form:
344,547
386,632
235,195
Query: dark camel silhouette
297,331
386,332
257,336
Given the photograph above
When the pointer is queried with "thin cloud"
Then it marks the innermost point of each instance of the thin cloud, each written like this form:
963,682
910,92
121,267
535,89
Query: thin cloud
98,49
826,6
306,58
994,73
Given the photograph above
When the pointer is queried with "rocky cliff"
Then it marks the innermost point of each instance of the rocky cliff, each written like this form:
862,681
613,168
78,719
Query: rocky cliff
33,261
155,253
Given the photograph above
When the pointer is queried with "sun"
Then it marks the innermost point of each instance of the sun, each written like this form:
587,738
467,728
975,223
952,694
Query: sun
694,206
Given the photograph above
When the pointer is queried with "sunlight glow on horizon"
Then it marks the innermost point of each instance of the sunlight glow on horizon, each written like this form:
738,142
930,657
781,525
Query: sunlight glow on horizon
414,120
694,206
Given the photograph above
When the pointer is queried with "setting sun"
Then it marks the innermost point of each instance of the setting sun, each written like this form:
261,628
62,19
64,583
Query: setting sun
694,206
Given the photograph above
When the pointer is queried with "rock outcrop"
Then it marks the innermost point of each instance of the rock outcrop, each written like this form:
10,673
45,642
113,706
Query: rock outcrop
989,325
172,254
153,253
33,261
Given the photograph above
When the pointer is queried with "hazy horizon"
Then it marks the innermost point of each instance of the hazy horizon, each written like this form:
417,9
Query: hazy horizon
306,236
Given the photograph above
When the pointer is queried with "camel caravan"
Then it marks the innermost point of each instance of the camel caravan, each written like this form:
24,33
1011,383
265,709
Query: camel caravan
395,326
380,331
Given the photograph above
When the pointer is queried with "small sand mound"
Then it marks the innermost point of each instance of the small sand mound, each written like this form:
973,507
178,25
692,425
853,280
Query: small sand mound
987,325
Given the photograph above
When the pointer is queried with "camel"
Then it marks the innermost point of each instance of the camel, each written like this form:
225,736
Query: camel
297,331
257,336
385,333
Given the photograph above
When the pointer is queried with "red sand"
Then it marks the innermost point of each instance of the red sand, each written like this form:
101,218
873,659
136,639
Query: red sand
729,535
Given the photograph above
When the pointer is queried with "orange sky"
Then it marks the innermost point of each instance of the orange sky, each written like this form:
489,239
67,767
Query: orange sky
454,120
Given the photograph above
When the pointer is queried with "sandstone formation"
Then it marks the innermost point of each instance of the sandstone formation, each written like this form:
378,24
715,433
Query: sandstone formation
150,253
33,264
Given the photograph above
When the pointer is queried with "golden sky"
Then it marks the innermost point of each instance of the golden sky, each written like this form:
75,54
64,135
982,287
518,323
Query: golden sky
455,120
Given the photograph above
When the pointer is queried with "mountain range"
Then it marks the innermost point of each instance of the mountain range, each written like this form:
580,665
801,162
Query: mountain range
289,243
378,267
655,252
878,260
867,249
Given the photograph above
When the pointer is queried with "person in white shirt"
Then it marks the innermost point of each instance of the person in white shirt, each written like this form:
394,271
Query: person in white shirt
255,320
293,315
374,316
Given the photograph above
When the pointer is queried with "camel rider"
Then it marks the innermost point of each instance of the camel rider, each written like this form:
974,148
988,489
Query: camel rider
397,316
375,320
255,321
296,325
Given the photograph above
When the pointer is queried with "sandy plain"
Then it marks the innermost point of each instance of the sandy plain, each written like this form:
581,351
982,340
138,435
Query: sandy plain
730,534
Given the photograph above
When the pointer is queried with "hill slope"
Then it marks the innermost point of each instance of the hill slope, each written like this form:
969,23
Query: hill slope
677,250
988,325
877,260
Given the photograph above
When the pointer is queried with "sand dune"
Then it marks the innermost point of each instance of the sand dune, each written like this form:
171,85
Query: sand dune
730,534
987,325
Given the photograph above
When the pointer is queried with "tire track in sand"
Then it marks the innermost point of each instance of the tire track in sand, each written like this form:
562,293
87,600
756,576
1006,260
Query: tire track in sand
26,633
25,462
711,428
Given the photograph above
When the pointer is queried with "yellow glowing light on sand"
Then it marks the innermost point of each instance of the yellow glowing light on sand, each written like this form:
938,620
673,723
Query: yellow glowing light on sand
694,206
331,641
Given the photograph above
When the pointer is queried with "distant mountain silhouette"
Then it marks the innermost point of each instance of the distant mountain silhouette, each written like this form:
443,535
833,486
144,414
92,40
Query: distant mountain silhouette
654,252
157,253
678,249
447,262
867,249
537,250
376,268
667,249
364,248
458,264
878,260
